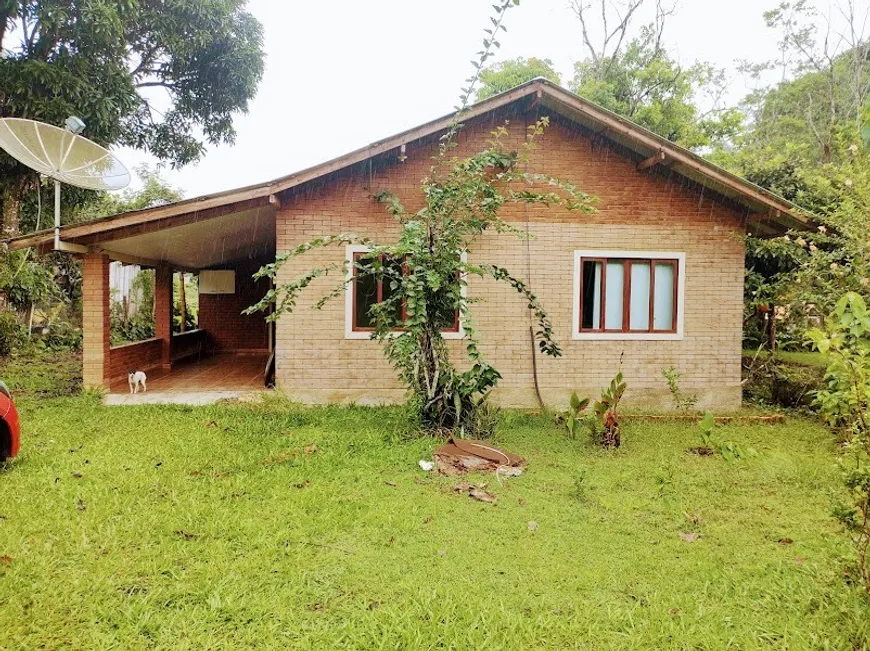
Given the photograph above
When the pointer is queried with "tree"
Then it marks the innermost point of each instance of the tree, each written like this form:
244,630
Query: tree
814,115
832,68
505,75
803,141
162,77
633,75
426,270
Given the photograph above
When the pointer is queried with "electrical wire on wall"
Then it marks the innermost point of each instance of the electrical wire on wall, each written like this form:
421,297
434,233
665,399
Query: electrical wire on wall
529,284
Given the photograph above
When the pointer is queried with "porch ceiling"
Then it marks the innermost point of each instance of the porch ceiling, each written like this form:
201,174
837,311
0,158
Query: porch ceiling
213,242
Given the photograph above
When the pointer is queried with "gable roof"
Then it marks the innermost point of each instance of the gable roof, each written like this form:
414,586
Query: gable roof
768,211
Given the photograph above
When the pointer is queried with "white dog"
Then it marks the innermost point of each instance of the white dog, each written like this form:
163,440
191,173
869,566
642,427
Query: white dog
136,378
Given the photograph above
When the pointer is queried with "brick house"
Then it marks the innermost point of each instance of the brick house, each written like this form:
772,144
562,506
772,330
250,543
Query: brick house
654,279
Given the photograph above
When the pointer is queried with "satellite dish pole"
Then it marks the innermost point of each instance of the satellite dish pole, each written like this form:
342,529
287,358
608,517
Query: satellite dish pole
60,245
64,156
75,126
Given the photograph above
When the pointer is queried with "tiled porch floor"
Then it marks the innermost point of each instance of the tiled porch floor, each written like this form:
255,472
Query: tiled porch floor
218,373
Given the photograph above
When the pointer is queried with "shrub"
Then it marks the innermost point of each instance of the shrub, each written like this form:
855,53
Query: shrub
576,418
482,421
11,333
729,450
786,384
683,401
844,406
125,330
603,422
63,335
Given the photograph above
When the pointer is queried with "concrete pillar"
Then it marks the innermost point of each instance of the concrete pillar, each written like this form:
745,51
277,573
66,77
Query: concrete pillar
95,321
163,312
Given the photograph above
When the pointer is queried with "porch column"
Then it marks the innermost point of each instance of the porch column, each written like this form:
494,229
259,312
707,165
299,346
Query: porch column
95,321
163,311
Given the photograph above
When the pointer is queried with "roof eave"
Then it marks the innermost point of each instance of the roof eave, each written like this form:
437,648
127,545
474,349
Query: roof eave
764,204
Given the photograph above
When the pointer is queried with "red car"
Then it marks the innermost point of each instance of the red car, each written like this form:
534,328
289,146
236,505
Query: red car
10,429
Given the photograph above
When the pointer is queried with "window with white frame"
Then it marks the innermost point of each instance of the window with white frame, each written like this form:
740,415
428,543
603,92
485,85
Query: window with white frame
628,294
365,291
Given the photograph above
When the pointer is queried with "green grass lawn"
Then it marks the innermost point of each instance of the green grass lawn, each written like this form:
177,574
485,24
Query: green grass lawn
211,528
44,374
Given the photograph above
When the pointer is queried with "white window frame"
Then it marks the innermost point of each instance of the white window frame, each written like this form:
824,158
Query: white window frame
349,332
680,257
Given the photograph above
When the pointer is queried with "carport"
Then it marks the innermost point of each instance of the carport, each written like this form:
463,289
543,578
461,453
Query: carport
224,240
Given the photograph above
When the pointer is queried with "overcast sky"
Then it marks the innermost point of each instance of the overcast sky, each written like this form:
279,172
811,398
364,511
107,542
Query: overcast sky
343,73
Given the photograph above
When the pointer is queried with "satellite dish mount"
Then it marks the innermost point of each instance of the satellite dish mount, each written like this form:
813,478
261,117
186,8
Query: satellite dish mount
59,244
64,156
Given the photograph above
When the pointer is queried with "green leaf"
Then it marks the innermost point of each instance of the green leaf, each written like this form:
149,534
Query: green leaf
575,401
708,422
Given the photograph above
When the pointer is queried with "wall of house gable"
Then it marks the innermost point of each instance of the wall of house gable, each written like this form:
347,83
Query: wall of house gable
651,210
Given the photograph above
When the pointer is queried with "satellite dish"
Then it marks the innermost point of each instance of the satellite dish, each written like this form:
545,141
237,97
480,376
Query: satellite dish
64,156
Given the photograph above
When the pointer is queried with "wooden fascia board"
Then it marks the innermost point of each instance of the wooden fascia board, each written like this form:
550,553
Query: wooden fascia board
130,224
171,222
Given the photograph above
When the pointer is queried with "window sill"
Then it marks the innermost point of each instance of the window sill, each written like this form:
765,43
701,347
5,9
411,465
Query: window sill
628,336
447,336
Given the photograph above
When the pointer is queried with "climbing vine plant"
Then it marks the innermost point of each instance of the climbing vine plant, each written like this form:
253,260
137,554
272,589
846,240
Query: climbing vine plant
426,268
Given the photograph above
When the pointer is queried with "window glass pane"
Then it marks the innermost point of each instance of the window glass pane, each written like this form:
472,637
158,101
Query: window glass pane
591,286
639,303
392,273
614,283
365,295
446,314
664,299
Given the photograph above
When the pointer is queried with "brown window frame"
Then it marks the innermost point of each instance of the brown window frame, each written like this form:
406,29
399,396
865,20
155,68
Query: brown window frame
626,295
380,296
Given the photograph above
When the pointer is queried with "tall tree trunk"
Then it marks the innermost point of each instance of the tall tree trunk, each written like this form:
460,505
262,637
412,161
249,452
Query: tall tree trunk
182,303
771,332
11,208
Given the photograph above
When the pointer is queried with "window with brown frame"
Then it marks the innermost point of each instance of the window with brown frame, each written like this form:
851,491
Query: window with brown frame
368,290
629,295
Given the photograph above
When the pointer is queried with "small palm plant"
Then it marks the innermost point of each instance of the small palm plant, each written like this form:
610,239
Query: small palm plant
607,411
576,417
603,422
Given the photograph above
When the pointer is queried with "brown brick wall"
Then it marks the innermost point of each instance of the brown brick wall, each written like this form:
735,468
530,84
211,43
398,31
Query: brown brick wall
140,356
95,320
163,312
654,210
220,315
